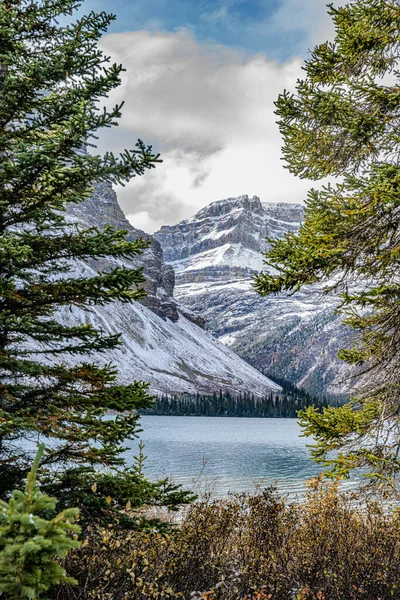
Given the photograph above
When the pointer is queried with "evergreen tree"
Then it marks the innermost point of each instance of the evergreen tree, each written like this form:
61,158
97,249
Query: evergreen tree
52,79
344,121
30,544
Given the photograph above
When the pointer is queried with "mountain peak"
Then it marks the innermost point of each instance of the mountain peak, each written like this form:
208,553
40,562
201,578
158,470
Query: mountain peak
227,205
240,224
215,255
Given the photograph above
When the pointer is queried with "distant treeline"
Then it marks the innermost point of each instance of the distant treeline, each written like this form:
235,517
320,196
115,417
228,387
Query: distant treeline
225,404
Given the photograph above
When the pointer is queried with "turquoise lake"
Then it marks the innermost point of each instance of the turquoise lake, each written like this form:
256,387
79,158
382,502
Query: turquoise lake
227,454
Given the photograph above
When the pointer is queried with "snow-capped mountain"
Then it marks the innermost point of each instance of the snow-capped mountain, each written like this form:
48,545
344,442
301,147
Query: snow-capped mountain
215,255
162,341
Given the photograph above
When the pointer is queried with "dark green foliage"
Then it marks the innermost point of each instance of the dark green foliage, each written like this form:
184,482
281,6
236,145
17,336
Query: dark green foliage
284,405
344,120
53,78
118,498
30,543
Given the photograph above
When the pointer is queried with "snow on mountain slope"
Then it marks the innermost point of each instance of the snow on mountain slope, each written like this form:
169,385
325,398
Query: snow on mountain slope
215,255
174,357
228,255
159,344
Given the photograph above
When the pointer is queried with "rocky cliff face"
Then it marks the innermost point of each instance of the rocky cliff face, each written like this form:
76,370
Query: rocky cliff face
161,341
215,255
240,221
103,209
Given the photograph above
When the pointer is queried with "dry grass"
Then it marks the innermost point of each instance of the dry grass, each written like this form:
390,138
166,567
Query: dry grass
250,547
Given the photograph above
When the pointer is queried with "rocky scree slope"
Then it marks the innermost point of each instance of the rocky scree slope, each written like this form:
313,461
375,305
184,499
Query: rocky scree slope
215,255
161,341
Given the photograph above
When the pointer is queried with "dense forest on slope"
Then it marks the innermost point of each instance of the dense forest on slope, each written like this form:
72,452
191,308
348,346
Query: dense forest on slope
224,404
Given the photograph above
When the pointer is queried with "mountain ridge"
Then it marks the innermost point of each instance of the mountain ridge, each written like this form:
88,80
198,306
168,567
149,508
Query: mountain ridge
162,341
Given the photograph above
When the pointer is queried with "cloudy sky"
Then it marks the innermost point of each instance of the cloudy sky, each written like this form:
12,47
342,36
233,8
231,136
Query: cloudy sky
201,78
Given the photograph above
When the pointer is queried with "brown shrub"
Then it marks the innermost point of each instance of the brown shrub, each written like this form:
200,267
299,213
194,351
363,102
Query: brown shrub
249,547
344,550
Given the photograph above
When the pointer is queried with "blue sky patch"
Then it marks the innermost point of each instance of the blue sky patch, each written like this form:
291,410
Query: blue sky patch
241,24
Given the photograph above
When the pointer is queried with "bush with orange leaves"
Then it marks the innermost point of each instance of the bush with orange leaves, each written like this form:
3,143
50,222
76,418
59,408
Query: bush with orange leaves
249,547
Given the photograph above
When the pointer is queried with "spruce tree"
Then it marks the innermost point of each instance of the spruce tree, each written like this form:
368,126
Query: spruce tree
53,78
30,543
344,121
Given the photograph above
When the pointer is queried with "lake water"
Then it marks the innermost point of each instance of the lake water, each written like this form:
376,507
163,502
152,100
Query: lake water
227,454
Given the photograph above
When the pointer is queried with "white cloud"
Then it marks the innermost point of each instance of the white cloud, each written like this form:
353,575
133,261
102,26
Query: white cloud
209,110
309,16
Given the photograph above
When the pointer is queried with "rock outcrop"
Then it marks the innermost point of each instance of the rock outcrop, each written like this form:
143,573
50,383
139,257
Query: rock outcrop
103,209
